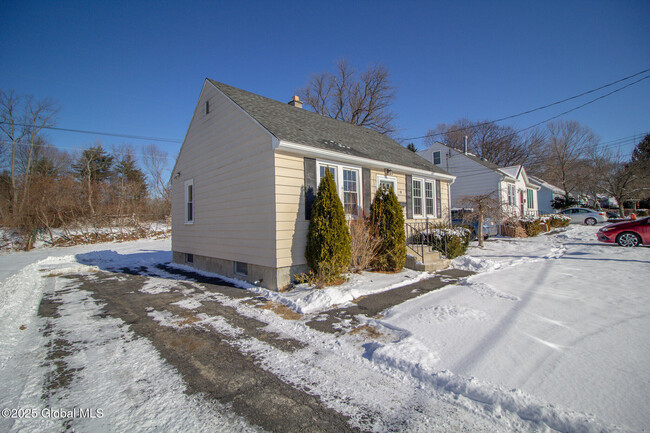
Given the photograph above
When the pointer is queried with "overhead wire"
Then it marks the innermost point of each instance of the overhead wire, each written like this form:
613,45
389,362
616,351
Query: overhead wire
547,106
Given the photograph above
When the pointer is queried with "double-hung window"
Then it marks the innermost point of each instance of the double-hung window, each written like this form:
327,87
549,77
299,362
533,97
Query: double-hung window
189,201
511,195
424,198
428,197
530,201
351,191
417,197
348,185
436,157
438,199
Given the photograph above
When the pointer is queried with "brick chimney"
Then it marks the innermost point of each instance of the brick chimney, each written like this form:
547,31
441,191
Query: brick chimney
295,102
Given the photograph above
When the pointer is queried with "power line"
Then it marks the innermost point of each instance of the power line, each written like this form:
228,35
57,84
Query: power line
109,134
546,106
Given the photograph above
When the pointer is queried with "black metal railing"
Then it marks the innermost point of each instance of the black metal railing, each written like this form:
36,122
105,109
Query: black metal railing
419,237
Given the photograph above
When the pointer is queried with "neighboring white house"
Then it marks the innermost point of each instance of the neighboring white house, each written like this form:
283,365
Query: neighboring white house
546,195
477,176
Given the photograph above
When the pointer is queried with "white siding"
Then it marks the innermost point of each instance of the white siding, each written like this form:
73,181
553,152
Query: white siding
472,178
230,159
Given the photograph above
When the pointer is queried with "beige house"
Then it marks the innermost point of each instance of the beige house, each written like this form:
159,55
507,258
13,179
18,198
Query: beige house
248,171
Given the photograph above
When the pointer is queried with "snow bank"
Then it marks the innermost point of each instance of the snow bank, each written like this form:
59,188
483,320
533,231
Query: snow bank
305,299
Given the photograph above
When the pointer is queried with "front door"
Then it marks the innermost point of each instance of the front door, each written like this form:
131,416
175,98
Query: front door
521,202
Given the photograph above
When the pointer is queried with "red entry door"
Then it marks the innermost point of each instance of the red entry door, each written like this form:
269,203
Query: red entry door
521,202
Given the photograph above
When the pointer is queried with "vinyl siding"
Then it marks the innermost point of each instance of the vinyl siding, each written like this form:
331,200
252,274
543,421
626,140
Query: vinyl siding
230,158
290,226
401,192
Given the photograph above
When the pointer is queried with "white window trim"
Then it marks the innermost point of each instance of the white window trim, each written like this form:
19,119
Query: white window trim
433,157
424,182
339,181
392,179
530,198
186,201
512,186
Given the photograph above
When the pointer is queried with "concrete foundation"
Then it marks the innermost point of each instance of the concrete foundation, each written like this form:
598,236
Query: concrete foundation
265,276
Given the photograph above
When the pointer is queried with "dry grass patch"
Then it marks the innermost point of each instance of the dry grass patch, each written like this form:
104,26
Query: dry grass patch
186,342
281,310
368,331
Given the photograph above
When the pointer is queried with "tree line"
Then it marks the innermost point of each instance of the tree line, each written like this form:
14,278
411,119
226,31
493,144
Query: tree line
43,187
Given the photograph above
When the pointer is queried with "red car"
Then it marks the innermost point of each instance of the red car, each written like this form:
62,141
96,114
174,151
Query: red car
628,233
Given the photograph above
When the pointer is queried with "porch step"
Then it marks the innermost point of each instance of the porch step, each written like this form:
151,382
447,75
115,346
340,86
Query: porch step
432,262
429,254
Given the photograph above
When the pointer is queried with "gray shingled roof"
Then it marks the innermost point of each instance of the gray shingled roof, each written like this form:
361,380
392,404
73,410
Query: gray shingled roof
302,126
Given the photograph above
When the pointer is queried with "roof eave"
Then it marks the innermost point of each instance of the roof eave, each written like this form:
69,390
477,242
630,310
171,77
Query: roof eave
284,145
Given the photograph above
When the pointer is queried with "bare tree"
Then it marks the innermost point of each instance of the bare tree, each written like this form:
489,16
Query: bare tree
482,206
155,164
362,100
621,179
567,146
11,125
501,145
21,121
38,115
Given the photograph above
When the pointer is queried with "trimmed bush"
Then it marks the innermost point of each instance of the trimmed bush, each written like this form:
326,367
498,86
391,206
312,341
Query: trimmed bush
513,229
388,221
328,239
532,227
555,220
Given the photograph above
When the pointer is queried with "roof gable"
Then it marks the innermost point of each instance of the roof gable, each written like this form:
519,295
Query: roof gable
296,125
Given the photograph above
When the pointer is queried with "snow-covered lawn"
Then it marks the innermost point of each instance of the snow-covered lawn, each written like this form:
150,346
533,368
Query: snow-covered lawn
561,318
551,333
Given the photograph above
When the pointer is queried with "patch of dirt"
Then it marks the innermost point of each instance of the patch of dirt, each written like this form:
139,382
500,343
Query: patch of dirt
369,332
281,310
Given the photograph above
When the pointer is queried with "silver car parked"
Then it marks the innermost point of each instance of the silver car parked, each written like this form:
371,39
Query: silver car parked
582,215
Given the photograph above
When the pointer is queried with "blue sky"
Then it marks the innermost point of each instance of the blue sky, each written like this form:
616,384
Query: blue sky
137,67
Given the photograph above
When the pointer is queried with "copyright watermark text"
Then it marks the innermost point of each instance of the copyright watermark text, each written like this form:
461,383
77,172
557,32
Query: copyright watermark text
52,413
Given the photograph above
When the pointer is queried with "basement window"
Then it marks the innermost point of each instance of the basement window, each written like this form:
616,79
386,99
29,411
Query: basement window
241,268
189,258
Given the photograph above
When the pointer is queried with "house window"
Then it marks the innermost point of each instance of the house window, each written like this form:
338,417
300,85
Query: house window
417,197
348,188
511,195
530,199
436,157
189,258
428,197
385,182
321,173
350,191
438,200
207,107
189,201
241,268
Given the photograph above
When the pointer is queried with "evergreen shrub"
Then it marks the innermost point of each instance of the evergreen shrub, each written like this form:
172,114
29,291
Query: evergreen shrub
388,220
328,238
450,241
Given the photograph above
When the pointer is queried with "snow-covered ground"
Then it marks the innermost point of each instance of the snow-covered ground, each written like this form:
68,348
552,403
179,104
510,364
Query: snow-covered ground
561,318
551,333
